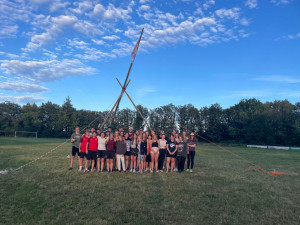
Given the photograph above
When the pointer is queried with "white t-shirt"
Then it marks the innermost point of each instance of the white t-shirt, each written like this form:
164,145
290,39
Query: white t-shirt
101,143
163,144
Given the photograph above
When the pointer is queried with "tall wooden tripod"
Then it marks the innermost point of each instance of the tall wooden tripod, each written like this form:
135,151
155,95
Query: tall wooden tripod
125,85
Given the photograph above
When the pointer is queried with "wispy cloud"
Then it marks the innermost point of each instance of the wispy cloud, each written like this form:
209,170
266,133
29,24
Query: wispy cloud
279,79
22,99
142,92
251,4
20,86
289,37
281,2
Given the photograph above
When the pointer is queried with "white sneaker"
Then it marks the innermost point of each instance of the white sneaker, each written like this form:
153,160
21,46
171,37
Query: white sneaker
130,170
79,169
133,171
161,171
146,169
157,171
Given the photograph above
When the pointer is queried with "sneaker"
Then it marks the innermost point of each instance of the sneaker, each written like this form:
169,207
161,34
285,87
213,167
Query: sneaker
120,171
70,168
187,170
146,169
87,170
157,171
130,170
79,169
133,170
161,171
191,170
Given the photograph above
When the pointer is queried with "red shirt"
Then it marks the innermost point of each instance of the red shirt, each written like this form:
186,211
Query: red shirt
110,145
84,140
93,144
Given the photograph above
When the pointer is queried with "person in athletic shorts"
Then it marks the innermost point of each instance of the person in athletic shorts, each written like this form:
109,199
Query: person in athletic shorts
148,157
171,151
83,147
134,153
128,153
75,139
154,154
110,151
162,152
92,147
101,151
142,151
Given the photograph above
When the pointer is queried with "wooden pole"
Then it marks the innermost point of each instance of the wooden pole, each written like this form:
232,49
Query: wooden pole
135,106
108,115
128,73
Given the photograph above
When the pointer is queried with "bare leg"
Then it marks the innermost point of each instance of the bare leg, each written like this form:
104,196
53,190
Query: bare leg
98,165
102,164
156,160
86,164
72,161
168,164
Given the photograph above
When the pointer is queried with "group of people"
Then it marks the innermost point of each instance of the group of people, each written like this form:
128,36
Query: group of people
137,151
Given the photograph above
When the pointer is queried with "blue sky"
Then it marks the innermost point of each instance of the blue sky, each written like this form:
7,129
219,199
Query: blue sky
199,52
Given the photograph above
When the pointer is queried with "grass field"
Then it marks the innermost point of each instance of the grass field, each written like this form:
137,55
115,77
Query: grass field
220,191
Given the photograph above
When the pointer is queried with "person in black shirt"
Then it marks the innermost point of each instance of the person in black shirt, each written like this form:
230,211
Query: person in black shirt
172,147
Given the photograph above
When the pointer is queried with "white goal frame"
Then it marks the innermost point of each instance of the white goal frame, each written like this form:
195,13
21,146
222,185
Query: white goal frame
28,132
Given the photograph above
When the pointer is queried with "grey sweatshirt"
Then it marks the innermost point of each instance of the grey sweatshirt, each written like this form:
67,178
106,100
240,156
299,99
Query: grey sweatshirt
121,147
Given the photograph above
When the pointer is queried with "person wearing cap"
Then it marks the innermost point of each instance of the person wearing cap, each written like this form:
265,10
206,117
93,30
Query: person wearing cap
130,133
191,144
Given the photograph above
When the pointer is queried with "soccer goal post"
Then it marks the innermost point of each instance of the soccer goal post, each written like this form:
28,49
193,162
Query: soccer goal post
26,134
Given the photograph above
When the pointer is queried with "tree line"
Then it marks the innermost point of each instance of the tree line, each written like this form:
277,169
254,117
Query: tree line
248,122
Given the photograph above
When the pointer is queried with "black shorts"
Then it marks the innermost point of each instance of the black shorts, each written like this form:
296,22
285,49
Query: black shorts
82,154
170,156
101,154
134,151
92,155
75,151
110,154
128,153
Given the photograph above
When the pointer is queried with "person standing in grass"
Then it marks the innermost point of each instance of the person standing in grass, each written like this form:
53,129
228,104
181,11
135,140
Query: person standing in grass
116,137
110,152
162,152
83,147
92,147
148,157
172,147
101,151
142,148
75,140
121,150
134,153
154,154
181,154
191,144
128,152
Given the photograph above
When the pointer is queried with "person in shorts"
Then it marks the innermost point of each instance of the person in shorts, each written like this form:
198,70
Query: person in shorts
110,152
134,153
75,140
101,151
172,147
142,149
92,147
83,147
128,152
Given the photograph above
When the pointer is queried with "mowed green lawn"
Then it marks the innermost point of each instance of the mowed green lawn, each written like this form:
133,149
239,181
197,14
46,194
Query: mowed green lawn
220,191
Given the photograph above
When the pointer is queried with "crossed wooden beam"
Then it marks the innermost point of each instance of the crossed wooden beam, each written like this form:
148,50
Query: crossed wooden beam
116,105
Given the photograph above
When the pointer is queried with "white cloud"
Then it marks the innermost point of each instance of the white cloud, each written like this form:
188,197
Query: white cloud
20,86
142,92
251,3
280,2
22,99
279,79
289,37
98,42
111,12
228,13
8,31
208,3
43,71
112,37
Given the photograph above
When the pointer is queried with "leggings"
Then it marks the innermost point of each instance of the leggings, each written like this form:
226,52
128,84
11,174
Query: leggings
181,161
161,158
191,159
